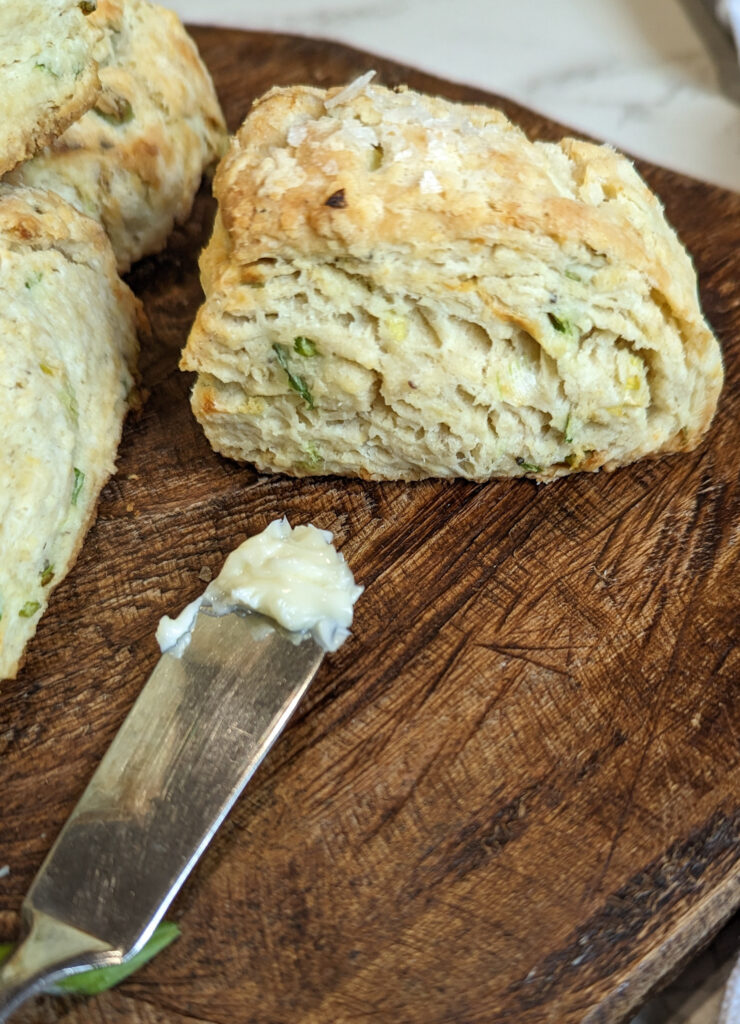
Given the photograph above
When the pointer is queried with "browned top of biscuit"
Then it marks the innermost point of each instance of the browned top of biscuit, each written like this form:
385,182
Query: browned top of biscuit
316,172
48,73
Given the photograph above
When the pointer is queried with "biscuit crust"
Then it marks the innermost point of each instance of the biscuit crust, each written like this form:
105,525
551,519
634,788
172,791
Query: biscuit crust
48,73
135,161
68,348
477,304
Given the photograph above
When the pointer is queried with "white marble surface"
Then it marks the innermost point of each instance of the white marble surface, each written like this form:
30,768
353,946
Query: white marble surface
631,72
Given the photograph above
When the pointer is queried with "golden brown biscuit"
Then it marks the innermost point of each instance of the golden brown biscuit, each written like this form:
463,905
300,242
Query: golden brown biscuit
67,354
135,161
48,73
400,287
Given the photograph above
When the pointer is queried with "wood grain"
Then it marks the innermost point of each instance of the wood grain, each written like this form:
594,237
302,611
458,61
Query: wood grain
514,795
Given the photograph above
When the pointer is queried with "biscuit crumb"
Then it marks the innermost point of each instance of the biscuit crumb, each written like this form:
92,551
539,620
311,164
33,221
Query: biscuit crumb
205,574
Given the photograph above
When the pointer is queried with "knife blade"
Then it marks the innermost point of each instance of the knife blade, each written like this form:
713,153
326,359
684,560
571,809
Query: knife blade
194,737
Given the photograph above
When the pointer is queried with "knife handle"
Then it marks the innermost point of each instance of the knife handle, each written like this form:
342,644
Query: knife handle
50,950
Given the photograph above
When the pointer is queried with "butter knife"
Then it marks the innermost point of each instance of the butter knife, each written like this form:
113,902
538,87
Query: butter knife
200,727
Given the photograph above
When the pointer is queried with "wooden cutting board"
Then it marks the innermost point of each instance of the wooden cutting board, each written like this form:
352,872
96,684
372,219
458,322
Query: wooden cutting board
514,795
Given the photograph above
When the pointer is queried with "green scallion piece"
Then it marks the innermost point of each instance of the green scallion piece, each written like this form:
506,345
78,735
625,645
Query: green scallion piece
560,324
528,466
313,455
305,347
29,608
69,401
100,979
33,279
297,383
567,431
77,485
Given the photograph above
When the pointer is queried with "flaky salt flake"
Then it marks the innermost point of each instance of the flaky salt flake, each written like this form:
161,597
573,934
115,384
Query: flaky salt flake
429,182
350,91
297,133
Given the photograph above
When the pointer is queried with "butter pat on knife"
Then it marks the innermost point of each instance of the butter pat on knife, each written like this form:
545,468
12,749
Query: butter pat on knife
292,575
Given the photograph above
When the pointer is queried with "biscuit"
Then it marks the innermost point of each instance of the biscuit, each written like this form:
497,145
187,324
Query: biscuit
67,352
400,287
135,161
48,73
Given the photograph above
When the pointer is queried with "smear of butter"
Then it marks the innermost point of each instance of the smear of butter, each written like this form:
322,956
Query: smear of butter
173,635
294,576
